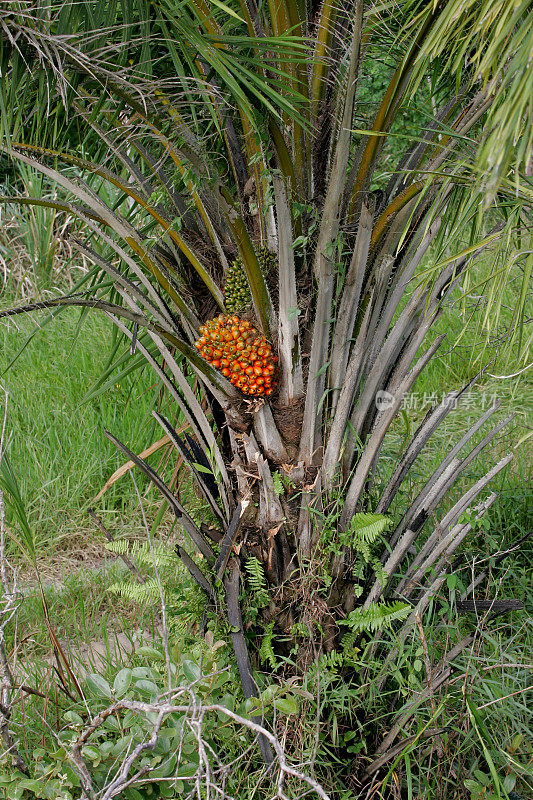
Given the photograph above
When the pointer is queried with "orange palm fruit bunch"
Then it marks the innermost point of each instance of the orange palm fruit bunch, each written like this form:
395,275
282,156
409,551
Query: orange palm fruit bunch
237,349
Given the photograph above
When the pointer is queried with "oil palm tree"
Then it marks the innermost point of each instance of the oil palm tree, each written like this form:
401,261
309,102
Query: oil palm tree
230,165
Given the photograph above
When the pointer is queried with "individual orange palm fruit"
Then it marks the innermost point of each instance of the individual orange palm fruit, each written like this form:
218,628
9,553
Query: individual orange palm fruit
233,346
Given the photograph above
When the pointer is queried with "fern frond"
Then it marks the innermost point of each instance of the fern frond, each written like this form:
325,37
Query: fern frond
140,593
362,534
278,483
379,572
301,629
332,661
143,553
367,528
257,581
348,640
120,547
266,651
377,617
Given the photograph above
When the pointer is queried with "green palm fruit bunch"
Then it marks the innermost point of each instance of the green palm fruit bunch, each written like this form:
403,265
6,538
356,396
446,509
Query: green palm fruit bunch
268,261
236,288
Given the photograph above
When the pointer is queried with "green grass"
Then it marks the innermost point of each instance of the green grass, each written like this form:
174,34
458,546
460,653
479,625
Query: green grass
77,612
57,447
494,673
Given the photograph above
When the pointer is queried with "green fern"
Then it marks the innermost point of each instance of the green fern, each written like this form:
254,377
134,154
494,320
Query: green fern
377,617
140,593
278,483
379,572
368,527
143,553
301,629
332,661
364,531
178,594
357,590
257,582
266,651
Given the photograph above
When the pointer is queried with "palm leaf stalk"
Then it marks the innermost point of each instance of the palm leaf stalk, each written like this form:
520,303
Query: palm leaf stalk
220,160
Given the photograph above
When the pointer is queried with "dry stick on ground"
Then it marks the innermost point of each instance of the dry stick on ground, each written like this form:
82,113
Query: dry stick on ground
10,601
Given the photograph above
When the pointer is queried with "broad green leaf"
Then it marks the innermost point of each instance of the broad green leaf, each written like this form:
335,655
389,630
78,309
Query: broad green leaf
150,652
147,687
92,752
72,716
191,670
122,682
287,705
98,686
144,672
